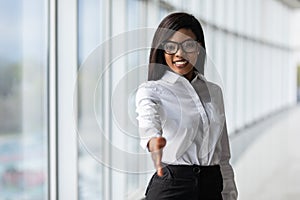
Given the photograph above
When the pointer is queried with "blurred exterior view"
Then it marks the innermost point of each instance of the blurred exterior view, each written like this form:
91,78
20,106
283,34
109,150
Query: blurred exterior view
68,75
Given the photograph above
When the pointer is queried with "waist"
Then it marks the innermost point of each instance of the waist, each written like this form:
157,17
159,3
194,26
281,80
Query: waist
188,171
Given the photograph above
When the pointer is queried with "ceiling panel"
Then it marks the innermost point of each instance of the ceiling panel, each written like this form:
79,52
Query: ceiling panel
292,3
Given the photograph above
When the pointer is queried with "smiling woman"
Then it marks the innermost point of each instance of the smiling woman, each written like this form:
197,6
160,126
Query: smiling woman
191,156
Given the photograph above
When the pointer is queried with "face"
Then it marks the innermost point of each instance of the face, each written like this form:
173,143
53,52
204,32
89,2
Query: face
183,60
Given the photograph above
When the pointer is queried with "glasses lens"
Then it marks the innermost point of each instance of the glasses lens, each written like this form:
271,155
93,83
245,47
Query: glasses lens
190,46
170,47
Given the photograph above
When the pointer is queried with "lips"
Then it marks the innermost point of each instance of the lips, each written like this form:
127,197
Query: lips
180,63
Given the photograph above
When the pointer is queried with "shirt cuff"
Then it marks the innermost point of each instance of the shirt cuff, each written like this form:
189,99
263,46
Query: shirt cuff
144,141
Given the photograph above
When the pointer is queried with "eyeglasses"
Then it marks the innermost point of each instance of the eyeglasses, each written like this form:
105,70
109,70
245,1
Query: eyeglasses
188,46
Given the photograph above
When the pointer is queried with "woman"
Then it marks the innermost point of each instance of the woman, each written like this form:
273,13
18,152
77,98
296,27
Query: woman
181,117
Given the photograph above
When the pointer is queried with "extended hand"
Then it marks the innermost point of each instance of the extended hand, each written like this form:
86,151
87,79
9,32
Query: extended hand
156,146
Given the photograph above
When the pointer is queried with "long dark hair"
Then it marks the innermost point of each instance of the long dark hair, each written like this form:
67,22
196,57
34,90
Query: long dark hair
168,26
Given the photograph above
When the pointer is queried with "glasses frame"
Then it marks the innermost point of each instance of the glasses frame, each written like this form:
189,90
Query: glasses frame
179,45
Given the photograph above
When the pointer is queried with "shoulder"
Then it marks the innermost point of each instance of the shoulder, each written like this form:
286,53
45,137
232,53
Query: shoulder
149,89
147,85
213,86
214,89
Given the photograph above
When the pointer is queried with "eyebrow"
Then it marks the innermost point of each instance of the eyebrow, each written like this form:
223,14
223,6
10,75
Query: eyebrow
190,39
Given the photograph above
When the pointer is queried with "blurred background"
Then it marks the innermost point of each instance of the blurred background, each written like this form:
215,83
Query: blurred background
69,69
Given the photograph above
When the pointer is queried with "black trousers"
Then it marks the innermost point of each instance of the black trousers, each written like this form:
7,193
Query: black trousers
186,182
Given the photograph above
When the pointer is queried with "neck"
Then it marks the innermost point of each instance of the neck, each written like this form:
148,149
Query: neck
190,75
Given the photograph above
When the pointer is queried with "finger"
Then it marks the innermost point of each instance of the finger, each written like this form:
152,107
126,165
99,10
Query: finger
158,164
156,157
160,171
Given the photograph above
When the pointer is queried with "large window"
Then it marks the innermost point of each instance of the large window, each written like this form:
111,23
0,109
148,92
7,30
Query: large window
69,70
23,100
113,49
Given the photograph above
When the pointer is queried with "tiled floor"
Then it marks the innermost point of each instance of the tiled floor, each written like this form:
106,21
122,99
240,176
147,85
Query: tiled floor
269,169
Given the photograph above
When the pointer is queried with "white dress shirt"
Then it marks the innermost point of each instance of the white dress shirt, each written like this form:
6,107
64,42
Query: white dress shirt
190,115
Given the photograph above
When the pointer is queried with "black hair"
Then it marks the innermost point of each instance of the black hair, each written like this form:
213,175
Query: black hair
168,26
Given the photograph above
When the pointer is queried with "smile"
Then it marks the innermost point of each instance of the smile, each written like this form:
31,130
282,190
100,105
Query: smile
180,63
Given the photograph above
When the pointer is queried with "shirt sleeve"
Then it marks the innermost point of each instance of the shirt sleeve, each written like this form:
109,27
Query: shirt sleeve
147,108
229,187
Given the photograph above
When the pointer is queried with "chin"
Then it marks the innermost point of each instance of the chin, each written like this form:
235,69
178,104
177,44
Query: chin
184,72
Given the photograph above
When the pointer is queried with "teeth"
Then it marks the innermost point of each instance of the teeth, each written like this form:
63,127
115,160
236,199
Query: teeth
180,62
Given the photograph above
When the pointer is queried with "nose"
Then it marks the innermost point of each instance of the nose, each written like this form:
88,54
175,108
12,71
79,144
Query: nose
180,52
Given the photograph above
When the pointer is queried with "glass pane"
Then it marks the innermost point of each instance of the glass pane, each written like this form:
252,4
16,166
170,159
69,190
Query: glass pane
23,100
90,171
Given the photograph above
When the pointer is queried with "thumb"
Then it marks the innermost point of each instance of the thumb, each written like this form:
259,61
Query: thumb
161,142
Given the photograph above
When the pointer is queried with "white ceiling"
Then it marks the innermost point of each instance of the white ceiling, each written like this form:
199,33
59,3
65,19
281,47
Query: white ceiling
292,3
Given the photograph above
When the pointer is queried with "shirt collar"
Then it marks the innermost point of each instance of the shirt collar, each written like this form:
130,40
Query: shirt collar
199,76
172,77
